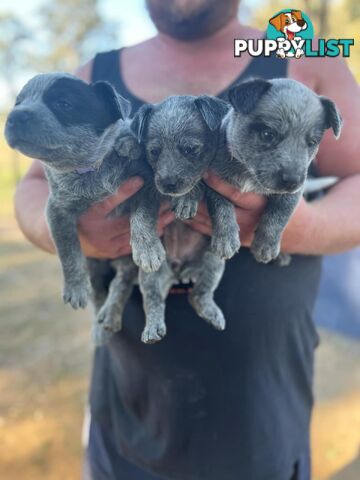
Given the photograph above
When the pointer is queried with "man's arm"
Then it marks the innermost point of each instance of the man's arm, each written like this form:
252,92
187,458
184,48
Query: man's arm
30,199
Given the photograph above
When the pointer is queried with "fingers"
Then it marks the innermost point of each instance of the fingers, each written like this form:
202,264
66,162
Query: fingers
199,227
164,206
125,191
164,220
203,219
243,200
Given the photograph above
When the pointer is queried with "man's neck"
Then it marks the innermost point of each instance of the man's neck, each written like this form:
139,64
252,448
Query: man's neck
177,67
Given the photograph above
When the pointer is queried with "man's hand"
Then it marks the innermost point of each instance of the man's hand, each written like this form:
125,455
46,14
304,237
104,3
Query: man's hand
103,237
249,208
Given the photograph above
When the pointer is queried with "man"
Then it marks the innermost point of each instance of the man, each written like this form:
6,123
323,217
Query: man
204,405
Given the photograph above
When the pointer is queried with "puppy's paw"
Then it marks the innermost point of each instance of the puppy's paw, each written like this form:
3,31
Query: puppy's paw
128,147
214,316
184,207
154,332
283,259
225,246
77,294
110,317
299,53
207,309
265,252
148,257
99,335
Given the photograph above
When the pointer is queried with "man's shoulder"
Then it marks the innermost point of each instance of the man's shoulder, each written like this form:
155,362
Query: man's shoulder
85,70
315,71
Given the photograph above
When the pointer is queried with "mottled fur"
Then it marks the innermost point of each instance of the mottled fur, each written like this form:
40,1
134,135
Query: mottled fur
269,139
181,136
78,132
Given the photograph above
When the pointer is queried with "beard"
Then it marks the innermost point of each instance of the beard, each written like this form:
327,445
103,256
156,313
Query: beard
188,20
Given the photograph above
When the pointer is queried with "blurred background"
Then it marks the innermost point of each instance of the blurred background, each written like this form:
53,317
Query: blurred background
45,353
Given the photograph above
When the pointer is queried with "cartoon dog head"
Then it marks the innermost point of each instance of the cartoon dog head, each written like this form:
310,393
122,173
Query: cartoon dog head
289,23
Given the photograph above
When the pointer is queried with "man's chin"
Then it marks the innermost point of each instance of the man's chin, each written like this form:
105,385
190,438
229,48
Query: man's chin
200,23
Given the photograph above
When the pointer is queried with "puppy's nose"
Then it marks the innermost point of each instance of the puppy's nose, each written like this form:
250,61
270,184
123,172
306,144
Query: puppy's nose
169,184
19,117
301,23
290,180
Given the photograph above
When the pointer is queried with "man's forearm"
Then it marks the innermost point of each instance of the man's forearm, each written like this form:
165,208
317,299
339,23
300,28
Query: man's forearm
328,225
30,200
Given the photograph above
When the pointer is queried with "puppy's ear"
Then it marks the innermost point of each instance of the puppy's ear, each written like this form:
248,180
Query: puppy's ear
120,107
245,96
212,110
297,14
276,21
139,122
332,116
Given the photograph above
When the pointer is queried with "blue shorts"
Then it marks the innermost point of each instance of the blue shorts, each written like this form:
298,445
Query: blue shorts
103,461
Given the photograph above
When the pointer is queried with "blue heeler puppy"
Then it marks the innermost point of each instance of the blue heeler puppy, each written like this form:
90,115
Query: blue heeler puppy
78,132
181,137
270,136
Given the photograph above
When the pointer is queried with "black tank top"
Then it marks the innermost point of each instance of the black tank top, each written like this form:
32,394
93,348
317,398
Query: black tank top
209,405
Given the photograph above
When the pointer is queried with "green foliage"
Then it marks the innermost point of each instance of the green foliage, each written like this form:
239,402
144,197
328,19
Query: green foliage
13,37
74,26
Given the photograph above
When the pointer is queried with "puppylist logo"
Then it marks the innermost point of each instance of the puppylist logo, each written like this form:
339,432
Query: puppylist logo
290,34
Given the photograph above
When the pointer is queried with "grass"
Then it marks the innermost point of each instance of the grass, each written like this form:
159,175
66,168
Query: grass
44,359
44,354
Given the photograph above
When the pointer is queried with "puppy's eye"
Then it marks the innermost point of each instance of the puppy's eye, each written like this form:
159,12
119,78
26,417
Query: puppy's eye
267,135
63,105
155,152
287,21
189,151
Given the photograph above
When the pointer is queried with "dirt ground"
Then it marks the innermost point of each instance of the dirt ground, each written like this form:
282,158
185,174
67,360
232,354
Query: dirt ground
44,369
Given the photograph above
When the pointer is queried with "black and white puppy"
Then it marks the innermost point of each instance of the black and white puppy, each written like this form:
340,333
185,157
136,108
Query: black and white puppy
78,132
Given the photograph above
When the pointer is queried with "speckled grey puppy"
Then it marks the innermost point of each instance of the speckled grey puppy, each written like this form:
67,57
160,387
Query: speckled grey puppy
77,131
181,136
271,135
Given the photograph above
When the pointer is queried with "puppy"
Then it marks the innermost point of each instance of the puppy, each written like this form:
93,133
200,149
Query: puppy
181,137
77,131
272,133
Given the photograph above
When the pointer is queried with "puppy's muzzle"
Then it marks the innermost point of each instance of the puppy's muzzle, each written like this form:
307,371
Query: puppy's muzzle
291,181
19,118
17,126
169,184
